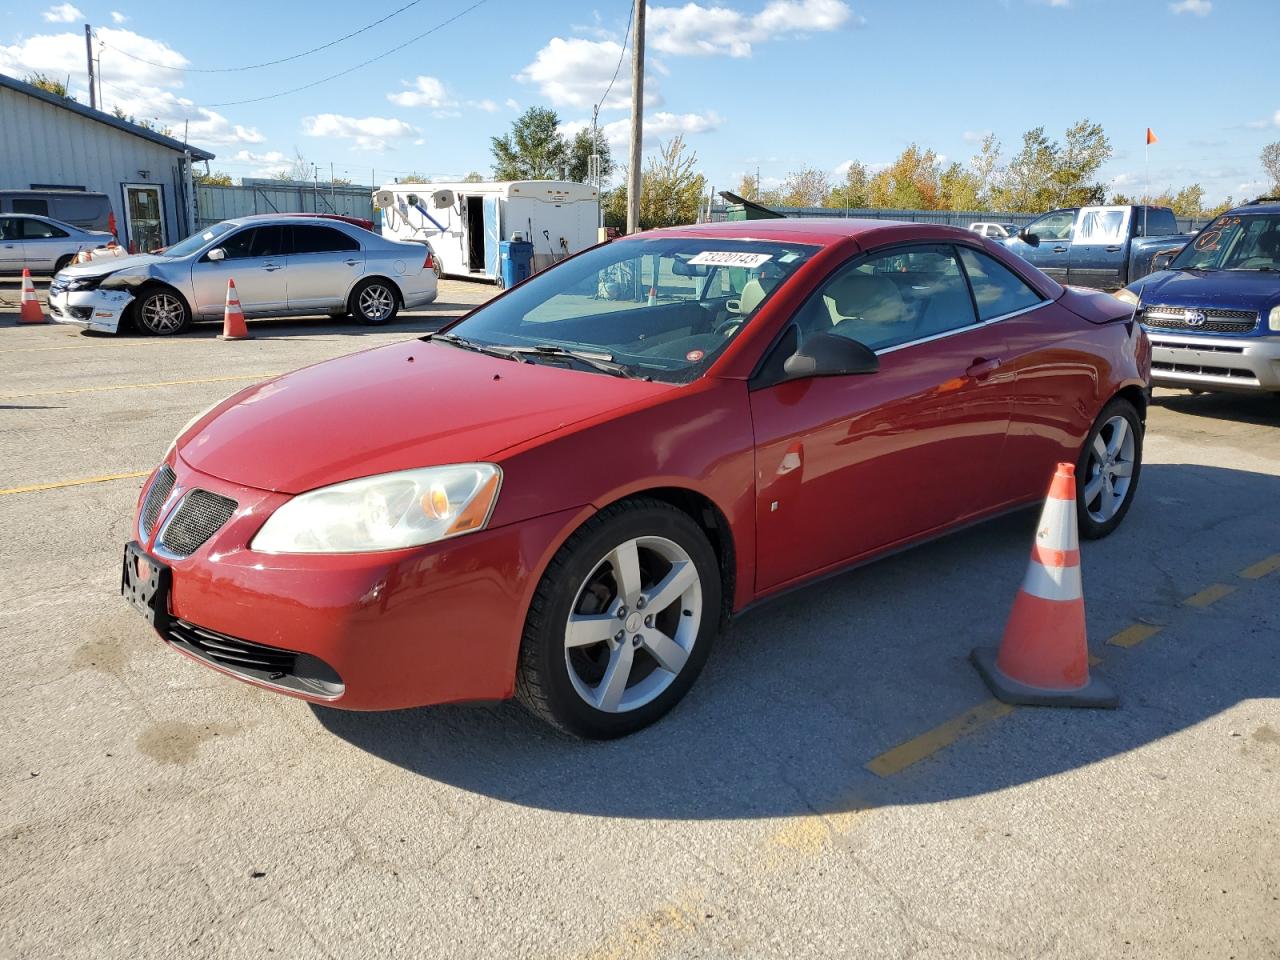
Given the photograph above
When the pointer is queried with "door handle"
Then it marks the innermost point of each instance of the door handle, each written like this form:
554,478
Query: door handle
272,267
1114,248
352,263
982,368
1059,249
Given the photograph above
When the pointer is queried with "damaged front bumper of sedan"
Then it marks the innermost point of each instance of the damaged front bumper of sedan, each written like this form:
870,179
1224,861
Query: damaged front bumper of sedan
99,308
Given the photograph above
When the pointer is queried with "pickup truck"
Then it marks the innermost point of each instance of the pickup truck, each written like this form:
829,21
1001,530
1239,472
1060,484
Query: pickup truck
1102,247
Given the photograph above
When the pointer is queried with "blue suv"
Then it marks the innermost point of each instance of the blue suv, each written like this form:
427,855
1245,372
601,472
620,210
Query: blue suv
1213,317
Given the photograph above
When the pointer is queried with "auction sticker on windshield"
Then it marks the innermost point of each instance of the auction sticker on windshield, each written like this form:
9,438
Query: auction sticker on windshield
730,258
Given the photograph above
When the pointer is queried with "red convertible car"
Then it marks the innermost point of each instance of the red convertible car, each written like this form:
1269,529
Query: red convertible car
565,495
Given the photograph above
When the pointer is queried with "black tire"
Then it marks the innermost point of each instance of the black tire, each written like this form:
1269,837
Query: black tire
1087,468
360,304
543,683
156,302
62,264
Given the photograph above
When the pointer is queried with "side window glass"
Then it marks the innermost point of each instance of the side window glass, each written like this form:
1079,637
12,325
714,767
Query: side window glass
10,228
1054,226
31,205
320,240
239,245
1100,226
892,298
996,288
269,242
40,230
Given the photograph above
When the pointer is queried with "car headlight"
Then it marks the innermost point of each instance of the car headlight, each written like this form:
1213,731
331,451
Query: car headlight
1127,296
1273,318
84,283
385,512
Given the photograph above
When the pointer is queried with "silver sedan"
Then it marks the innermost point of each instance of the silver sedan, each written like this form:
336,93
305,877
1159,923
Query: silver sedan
281,265
41,244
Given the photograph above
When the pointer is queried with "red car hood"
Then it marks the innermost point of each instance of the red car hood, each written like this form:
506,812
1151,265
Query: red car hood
407,405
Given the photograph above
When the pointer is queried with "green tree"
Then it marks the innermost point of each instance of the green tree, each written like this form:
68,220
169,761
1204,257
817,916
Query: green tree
49,85
909,183
959,188
672,190
986,168
1271,164
1046,174
854,192
1027,181
1083,153
580,150
411,178
217,178
532,150
806,187
473,177
748,187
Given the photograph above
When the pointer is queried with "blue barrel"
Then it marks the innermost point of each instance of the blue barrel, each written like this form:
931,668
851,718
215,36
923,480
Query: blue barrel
515,261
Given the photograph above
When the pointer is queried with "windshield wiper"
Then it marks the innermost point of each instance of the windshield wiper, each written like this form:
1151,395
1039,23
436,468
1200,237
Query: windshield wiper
603,362
456,341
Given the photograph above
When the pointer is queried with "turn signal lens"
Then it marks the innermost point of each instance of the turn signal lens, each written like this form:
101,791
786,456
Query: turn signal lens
1273,319
1127,296
435,504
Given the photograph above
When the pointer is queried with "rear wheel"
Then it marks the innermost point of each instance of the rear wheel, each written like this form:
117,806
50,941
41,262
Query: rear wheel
622,621
374,302
1108,470
160,312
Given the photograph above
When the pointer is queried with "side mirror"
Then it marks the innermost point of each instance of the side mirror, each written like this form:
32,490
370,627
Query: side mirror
827,355
1030,239
216,254
1162,259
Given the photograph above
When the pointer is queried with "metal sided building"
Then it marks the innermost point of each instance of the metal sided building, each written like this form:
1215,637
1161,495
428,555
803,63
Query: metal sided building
51,143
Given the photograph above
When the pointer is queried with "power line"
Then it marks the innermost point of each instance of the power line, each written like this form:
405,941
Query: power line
266,63
358,66
621,55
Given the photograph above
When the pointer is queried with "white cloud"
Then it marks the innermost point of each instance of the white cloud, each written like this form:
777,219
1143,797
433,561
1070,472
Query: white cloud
424,92
574,72
697,30
1252,188
369,133
1200,8
271,156
118,17
511,104
657,126
1274,121
63,13
975,136
488,106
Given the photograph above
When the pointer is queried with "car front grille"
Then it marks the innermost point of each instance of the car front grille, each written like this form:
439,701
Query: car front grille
200,515
1216,321
1204,370
282,668
161,487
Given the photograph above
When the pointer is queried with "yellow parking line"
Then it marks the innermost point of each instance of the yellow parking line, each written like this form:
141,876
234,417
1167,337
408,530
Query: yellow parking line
917,748
33,488
1262,568
1133,635
1210,594
133,386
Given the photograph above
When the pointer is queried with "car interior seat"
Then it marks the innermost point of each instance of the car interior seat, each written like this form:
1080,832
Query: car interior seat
868,308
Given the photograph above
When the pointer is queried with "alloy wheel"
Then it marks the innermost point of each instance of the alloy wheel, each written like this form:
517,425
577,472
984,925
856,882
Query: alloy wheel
162,313
633,624
1109,474
375,302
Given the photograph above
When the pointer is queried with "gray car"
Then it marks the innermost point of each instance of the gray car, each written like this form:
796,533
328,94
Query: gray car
41,244
281,265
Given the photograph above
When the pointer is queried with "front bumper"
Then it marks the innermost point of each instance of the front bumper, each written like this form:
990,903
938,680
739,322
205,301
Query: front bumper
1234,364
101,310
434,624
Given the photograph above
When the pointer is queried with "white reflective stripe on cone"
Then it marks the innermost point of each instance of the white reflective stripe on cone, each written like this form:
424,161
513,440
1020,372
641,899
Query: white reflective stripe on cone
1053,583
1057,530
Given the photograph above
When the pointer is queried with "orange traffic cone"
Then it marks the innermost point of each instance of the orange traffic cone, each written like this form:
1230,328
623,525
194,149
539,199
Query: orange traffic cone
1044,657
233,327
30,311
653,296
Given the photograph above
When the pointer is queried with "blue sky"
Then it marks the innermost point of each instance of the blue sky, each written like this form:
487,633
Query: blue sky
770,83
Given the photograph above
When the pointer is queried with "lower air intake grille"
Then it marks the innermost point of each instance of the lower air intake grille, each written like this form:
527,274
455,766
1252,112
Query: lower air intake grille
200,515
300,672
161,487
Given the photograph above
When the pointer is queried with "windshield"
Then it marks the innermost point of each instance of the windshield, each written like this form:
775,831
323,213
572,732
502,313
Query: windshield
662,308
1249,242
197,240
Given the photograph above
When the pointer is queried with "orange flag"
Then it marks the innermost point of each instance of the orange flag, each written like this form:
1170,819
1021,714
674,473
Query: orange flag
1151,137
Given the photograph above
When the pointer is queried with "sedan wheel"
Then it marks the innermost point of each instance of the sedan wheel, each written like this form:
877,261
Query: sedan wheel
374,303
1108,472
622,621
162,313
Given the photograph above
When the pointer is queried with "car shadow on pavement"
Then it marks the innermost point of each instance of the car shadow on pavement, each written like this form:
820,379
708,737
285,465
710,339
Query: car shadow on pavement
1258,409
800,695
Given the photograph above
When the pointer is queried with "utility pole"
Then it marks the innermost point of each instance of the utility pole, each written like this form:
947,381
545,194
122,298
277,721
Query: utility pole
637,117
88,49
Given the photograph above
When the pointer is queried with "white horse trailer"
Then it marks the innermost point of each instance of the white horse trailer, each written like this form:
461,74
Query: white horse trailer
464,222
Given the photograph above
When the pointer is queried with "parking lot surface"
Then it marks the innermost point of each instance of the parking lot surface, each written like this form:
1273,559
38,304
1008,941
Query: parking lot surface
838,784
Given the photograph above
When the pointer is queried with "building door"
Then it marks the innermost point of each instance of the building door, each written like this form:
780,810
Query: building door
143,217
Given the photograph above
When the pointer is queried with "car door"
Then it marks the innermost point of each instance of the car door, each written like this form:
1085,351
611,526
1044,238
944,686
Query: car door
43,243
323,264
1053,253
1099,247
1054,370
11,257
851,465
255,260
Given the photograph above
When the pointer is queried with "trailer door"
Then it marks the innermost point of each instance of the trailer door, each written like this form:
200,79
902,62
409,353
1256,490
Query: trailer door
491,236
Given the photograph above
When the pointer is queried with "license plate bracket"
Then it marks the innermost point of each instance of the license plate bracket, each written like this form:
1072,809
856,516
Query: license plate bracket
145,582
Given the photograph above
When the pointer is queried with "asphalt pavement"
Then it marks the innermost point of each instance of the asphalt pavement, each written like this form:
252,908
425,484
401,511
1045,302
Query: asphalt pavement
837,784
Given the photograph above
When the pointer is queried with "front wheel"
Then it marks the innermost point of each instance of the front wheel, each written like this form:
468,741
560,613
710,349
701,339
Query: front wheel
1107,473
622,621
374,302
160,312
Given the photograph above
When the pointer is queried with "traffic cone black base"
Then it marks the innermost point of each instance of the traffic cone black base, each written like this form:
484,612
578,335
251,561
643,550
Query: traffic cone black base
1095,693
